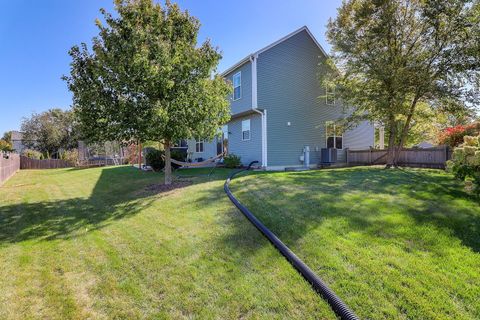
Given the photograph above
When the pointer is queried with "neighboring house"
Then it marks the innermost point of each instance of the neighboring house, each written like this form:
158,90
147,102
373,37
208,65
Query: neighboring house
18,141
425,145
279,106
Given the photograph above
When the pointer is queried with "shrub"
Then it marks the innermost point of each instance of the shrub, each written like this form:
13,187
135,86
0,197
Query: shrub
453,136
470,141
232,161
154,159
465,164
5,146
178,155
70,156
34,154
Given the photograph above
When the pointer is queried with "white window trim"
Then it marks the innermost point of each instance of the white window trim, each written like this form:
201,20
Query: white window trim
334,135
327,93
200,142
249,129
240,86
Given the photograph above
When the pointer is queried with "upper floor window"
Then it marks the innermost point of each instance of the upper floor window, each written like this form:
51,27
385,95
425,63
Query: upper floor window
330,95
237,86
334,134
246,130
199,145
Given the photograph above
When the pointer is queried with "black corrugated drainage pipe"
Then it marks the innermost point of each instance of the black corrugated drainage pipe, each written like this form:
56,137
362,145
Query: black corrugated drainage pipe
321,287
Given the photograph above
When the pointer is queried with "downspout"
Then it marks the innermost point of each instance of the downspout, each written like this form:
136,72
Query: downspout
253,61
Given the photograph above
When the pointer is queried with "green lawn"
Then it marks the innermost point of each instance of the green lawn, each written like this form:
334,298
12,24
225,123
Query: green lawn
96,243
92,243
391,243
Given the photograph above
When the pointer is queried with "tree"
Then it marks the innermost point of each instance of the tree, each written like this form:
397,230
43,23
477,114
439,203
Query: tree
6,142
147,79
7,136
391,56
50,131
5,146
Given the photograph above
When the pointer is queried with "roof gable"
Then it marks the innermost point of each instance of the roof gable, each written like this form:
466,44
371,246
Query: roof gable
256,53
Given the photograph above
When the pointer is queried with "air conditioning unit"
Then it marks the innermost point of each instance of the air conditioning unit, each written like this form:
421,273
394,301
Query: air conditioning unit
328,155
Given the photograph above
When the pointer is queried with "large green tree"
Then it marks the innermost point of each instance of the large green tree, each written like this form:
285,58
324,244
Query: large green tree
147,78
390,57
50,131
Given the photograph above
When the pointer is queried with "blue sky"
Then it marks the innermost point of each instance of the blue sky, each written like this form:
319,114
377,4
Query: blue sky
36,36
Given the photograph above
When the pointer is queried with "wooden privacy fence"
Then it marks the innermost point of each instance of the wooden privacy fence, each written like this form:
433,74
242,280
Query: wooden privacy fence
29,163
425,158
9,164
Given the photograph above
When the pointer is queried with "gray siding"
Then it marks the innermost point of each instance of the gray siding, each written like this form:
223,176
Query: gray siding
245,102
360,137
250,150
209,149
290,89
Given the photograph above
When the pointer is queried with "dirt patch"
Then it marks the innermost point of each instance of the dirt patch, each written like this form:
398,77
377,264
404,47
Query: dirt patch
162,188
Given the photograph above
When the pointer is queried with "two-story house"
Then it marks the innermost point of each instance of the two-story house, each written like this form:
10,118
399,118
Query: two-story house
279,106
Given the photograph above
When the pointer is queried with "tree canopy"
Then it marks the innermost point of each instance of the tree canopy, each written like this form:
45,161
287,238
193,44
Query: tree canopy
6,142
50,131
389,57
147,78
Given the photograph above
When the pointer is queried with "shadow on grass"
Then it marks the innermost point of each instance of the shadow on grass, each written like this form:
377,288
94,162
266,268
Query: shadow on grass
362,199
119,192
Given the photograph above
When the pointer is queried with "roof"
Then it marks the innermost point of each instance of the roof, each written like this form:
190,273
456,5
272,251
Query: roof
247,58
17,135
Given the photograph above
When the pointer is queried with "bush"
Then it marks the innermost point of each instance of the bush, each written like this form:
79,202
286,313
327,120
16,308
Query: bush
454,136
29,153
465,164
178,155
232,161
154,159
71,156
5,146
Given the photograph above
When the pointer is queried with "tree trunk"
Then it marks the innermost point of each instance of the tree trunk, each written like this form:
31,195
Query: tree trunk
405,129
168,163
391,144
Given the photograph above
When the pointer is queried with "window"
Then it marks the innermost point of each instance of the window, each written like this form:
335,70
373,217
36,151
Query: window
330,95
180,144
246,130
334,135
237,86
199,145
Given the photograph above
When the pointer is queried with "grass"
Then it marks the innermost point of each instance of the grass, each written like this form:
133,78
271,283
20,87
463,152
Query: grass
393,244
93,243
96,243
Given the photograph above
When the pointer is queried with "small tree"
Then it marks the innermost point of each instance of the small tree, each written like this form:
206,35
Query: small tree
50,131
147,79
390,56
5,146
